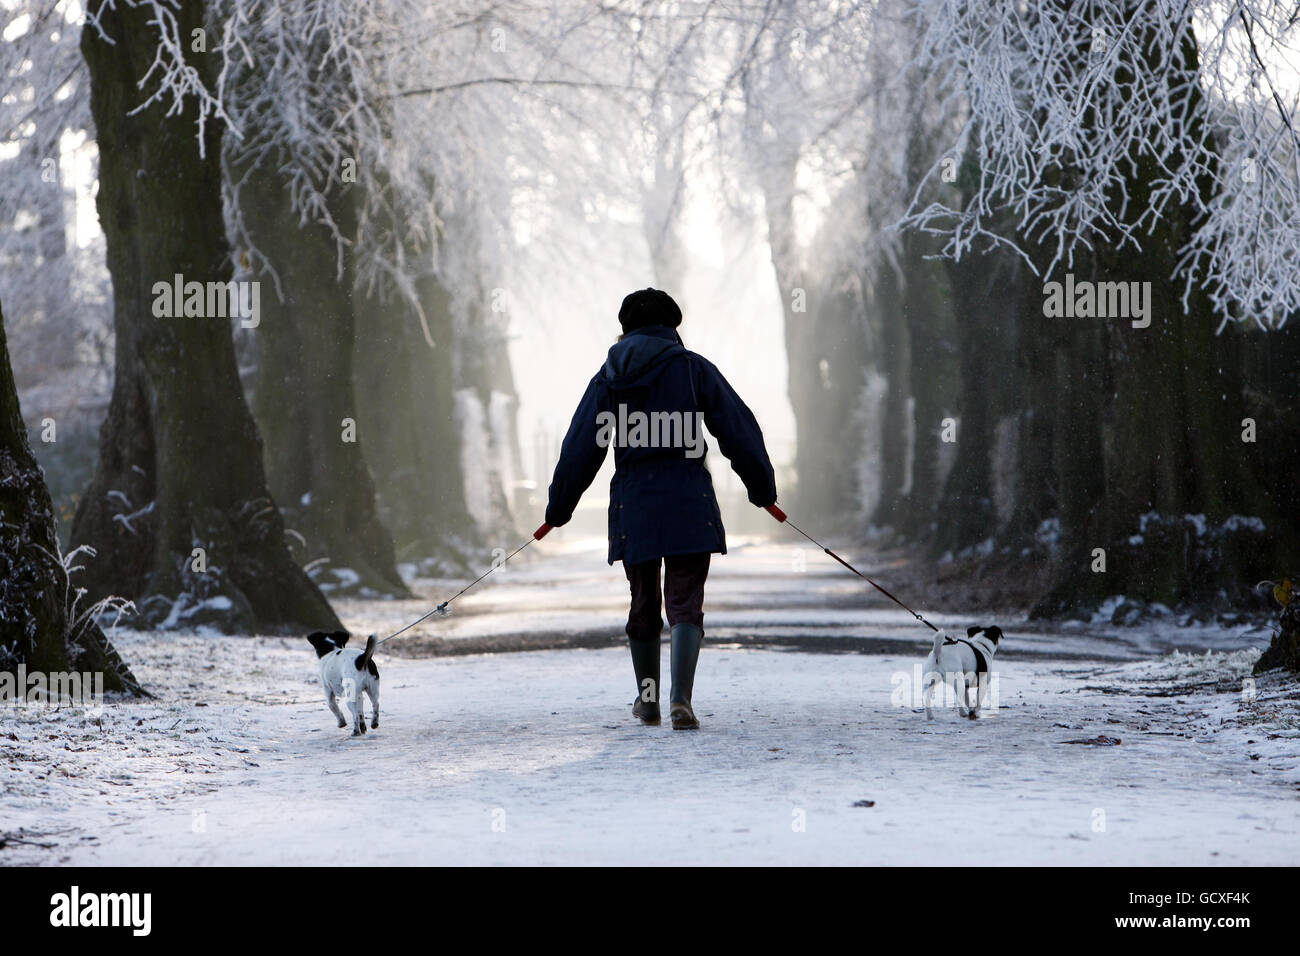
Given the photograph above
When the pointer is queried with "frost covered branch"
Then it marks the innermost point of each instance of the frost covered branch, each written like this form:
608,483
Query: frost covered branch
1061,100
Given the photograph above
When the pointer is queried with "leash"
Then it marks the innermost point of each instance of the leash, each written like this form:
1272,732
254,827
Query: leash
781,516
545,529
538,535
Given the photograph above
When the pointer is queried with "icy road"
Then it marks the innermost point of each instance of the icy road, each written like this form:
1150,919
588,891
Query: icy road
529,754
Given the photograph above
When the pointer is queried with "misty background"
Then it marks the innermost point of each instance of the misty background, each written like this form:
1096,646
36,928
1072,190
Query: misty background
857,205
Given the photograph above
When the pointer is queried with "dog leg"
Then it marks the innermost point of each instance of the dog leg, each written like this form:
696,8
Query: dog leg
959,690
373,691
927,698
334,705
353,694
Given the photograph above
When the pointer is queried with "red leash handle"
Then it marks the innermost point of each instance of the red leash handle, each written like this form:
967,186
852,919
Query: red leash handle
775,512
541,532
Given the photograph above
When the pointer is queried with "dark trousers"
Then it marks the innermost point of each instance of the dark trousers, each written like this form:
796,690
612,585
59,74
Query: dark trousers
683,593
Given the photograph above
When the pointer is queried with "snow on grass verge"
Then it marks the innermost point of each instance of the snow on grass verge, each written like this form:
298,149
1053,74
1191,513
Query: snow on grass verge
532,758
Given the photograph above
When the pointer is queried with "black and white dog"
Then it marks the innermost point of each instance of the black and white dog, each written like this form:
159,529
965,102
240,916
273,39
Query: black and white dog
963,663
348,674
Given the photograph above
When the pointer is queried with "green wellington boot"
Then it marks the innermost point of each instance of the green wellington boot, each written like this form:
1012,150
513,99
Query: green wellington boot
686,639
645,661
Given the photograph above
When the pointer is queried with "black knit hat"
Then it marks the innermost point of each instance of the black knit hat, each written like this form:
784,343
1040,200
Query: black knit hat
649,307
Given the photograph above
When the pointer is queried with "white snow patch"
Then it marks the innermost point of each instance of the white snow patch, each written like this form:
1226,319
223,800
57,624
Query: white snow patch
1237,522
243,765
238,761
1106,611
1048,533
337,578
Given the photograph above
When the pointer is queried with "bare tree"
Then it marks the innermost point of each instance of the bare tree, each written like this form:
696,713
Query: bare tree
1193,88
178,511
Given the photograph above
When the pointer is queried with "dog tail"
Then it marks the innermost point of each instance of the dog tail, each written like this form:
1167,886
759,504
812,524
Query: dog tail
364,660
939,637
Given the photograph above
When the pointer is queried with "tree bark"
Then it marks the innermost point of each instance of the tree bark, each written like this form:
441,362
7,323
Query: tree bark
929,354
180,458
966,509
486,411
305,400
895,365
832,351
663,205
1169,445
41,624
826,354
406,408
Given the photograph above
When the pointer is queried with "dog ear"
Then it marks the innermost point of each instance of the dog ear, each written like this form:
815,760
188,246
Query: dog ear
972,631
340,638
995,633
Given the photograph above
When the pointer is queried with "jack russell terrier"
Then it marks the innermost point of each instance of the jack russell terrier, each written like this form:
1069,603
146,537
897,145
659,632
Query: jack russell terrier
962,662
348,674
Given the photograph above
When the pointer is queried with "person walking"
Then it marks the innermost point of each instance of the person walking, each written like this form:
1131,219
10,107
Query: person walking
648,400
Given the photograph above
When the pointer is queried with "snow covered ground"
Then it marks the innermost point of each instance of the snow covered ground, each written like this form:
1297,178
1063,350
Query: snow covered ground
532,757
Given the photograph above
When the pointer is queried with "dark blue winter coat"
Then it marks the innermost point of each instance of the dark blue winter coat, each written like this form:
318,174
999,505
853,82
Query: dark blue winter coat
661,500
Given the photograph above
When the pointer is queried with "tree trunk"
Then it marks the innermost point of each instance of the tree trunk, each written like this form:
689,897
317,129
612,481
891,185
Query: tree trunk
41,623
1031,394
178,509
406,408
1284,649
966,510
486,412
1169,448
305,400
924,310
662,208
824,354
832,352
895,433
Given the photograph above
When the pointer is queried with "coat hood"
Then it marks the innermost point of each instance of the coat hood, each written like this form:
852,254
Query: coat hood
640,354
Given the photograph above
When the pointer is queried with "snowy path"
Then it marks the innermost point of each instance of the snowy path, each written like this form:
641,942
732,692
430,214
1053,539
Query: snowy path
758,594
533,758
